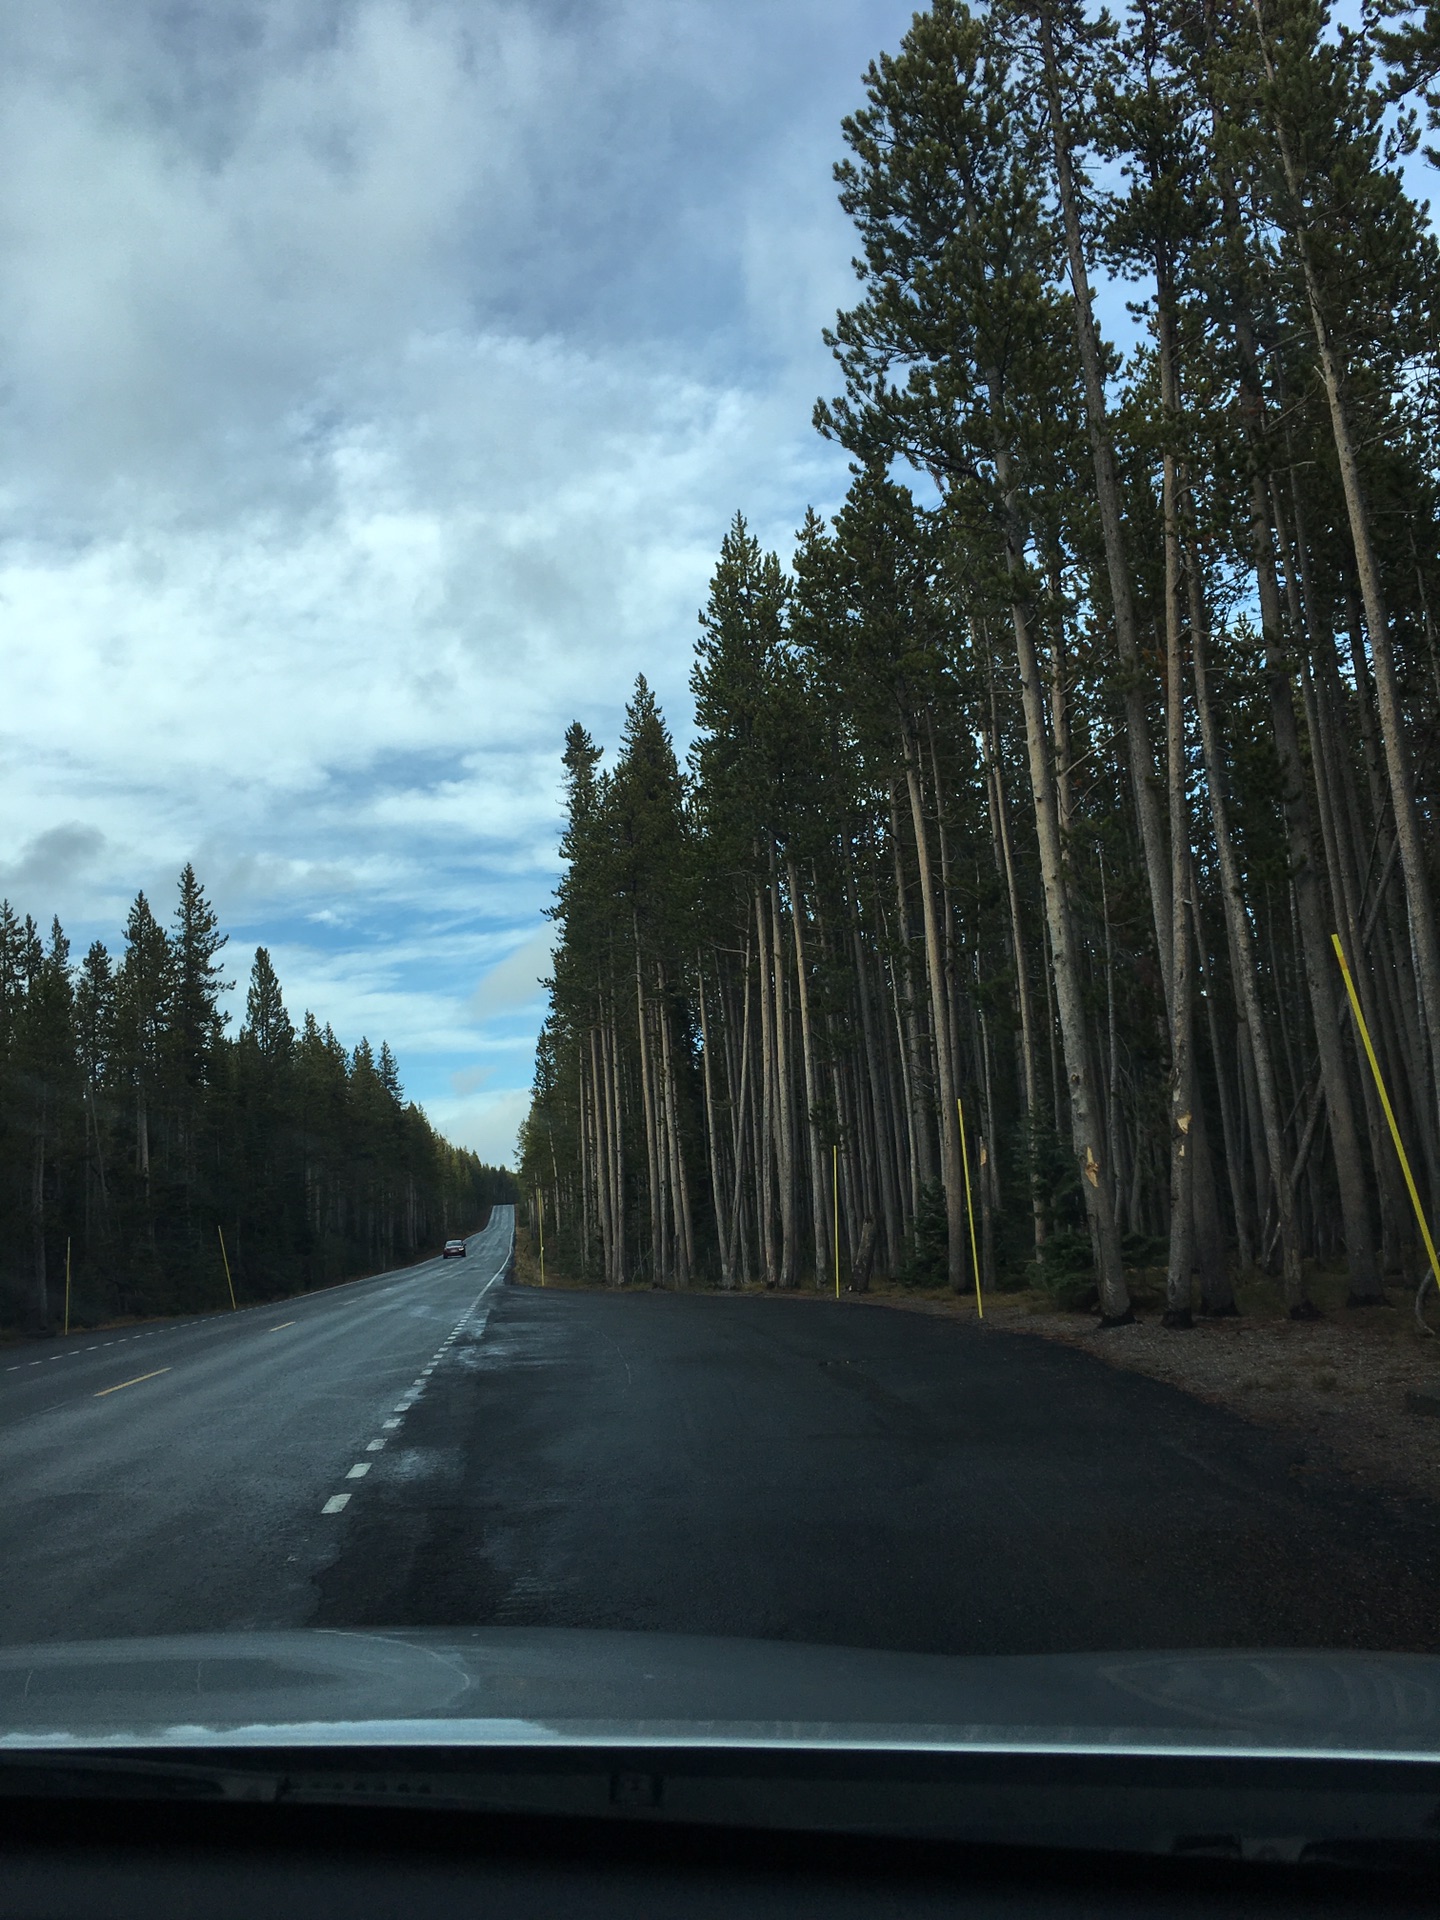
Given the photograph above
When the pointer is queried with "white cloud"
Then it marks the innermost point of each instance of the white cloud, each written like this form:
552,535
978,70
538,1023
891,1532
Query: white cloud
514,985
376,384
488,1125
470,1079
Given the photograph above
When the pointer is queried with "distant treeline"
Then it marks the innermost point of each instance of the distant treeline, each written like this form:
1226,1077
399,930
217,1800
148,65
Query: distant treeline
134,1132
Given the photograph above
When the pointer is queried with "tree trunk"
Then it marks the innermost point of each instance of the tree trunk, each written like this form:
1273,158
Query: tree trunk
647,1107
742,1130
784,1109
1107,495
679,1189
1178,1281
875,1069
1387,687
819,1224
768,1124
1085,1131
1325,763
717,1196
1244,965
1222,1301
1315,944
37,1214
617,1134
920,1116
939,1015
1017,942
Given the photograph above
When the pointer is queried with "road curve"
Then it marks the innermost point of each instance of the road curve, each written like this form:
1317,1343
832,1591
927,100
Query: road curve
188,1476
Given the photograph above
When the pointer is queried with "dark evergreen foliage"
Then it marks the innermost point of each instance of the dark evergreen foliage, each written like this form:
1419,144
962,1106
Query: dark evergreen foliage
135,1132
1044,801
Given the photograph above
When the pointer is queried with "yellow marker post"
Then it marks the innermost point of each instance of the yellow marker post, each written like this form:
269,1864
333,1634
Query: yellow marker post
970,1208
1389,1110
67,1283
835,1195
226,1258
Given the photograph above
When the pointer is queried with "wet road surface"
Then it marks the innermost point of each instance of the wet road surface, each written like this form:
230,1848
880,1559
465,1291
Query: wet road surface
436,1448
193,1475
834,1472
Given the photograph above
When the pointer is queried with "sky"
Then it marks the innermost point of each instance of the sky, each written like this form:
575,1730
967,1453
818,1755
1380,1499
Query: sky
377,381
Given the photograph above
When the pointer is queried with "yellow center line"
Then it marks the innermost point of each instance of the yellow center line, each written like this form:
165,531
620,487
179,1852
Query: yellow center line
282,1326
130,1383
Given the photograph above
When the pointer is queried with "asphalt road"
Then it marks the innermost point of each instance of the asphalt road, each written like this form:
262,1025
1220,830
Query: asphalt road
174,1478
833,1472
797,1469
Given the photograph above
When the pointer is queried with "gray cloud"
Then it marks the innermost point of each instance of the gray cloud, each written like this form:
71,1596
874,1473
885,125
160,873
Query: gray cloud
469,1080
51,860
377,379
513,985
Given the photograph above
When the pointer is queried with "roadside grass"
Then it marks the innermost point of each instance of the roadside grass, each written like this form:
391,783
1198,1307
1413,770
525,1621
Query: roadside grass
527,1267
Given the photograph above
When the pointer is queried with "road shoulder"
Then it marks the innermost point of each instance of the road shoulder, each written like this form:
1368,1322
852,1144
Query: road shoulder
1345,1385
1341,1384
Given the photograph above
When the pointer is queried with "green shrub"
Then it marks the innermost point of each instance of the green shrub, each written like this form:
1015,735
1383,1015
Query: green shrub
1143,1250
1065,1269
927,1251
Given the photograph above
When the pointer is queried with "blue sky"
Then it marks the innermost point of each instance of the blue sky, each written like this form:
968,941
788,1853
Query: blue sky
378,380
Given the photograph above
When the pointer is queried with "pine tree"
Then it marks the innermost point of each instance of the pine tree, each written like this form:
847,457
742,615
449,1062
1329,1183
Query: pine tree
925,852
959,263
266,1020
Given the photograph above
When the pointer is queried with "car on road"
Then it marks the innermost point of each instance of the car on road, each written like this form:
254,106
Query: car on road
454,1250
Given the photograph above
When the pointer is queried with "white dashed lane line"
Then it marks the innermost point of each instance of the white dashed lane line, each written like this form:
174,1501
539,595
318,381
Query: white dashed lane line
339,1501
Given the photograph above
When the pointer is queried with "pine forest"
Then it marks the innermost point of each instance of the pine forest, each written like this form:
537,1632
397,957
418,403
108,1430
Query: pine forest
992,926
150,1163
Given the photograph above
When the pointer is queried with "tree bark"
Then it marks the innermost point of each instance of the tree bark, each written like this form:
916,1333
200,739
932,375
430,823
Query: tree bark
939,1016
1179,1279
765,1156
1377,621
1085,1131
1107,496
717,1195
784,1107
679,1188
1315,944
1017,941
818,1221
1244,971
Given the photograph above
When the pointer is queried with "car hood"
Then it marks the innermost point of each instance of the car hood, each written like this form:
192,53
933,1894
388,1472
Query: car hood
499,1686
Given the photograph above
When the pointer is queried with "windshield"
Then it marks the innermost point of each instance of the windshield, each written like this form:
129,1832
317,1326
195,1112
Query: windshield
722,912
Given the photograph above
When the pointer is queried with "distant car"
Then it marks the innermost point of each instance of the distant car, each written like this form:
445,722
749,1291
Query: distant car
454,1249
